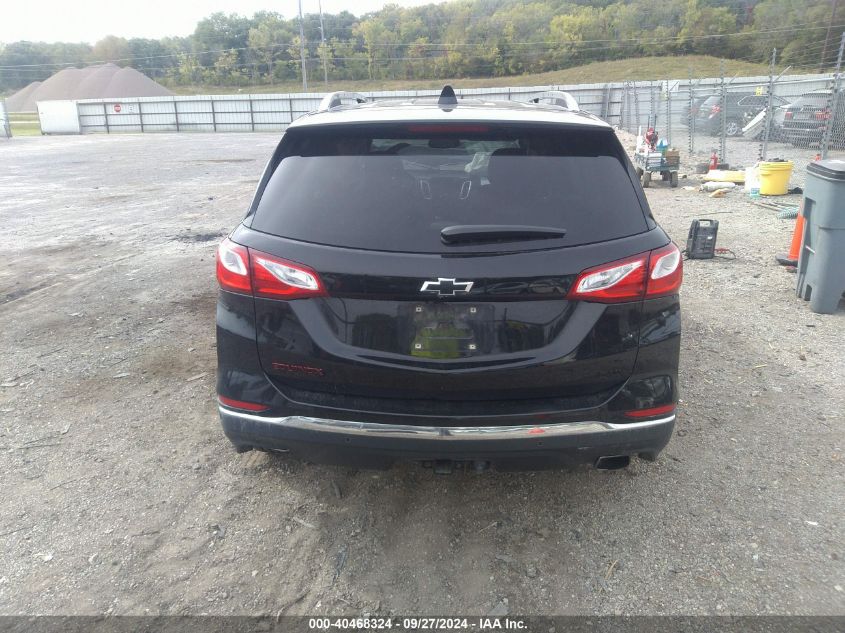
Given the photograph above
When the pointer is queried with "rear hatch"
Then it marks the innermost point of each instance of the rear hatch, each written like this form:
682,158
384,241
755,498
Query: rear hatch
443,256
710,107
809,112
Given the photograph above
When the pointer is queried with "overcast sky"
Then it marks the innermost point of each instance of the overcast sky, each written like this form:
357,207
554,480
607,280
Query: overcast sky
90,20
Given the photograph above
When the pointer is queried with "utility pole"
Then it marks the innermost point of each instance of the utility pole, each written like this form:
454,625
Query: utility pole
833,5
323,44
302,49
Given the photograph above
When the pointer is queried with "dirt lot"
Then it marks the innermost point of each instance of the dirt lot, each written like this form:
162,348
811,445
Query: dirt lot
121,495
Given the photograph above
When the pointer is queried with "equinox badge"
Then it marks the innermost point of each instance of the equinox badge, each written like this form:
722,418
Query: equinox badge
446,287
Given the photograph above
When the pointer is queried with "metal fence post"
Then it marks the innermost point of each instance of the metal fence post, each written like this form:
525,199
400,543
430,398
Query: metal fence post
636,106
668,114
605,102
652,113
833,104
690,118
767,117
724,113
622,106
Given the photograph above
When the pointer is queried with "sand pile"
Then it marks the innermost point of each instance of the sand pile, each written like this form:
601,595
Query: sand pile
14,102
106,81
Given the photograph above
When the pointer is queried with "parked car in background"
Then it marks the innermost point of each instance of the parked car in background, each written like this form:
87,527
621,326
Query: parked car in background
806,118
776,129
449,281
691,110
740,108
756,127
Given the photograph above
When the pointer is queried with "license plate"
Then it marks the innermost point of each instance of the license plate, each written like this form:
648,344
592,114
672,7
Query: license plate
449,330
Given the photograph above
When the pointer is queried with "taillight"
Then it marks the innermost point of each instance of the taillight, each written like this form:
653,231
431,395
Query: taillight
653,274
448,128
716,109
665,271
247,271
623,280
788,114
277,278
233,267
823,115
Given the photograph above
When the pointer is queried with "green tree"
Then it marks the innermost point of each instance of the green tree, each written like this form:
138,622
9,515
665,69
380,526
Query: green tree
112,48
268,41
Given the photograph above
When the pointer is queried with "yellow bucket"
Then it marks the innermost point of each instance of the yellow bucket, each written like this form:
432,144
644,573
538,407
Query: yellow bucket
774,178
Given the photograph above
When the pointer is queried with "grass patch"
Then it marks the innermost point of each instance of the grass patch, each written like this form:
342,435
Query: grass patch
637,69
24,123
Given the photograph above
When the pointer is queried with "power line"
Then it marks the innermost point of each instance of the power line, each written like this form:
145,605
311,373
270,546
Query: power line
637,42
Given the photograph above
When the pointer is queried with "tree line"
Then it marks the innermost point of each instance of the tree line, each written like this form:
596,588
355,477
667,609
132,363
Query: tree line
460,38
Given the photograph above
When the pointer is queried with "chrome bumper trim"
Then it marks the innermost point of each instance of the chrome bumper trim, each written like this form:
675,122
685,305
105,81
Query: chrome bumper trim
376,429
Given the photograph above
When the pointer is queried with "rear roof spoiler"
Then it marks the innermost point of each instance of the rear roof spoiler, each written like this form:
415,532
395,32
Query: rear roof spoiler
335,99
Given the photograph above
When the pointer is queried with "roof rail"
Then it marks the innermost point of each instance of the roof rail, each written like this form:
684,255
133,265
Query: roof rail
333,100
558,98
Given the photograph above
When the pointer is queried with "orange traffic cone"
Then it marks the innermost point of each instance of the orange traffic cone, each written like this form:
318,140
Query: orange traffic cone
791,258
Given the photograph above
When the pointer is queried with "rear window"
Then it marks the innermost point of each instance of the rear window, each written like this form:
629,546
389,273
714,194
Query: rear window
754,101
818,100
396,188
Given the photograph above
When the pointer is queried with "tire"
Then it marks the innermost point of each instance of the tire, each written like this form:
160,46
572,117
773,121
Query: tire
733,127
673,182
646,179
639,171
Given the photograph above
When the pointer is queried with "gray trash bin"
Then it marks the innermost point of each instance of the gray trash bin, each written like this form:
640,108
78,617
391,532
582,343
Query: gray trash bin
821,264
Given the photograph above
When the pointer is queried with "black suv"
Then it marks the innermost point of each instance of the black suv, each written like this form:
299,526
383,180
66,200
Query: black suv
740,108
449,282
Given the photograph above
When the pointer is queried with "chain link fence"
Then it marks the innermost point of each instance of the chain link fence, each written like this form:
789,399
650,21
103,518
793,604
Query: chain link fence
738,122
735,121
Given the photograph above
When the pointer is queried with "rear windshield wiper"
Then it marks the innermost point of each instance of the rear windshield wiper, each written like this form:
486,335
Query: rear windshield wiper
466,233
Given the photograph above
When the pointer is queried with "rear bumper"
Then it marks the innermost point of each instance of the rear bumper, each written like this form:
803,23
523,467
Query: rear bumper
379,445
802,132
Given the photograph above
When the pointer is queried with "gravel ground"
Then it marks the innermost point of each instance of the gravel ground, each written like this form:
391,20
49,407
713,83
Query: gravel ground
741,152
121,495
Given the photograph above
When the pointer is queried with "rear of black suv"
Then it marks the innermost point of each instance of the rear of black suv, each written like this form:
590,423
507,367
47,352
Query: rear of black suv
482,291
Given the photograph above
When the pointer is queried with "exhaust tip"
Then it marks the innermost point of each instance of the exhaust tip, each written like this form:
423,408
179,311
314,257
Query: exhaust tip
613,462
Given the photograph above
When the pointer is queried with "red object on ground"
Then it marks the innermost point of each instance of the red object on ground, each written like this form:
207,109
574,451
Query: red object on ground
714,161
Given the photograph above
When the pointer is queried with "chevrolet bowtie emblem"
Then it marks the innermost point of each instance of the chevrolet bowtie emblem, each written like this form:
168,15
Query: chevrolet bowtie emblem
446,287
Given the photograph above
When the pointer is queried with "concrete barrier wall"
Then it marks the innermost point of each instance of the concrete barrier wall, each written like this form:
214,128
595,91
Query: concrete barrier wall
59,117
5,130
